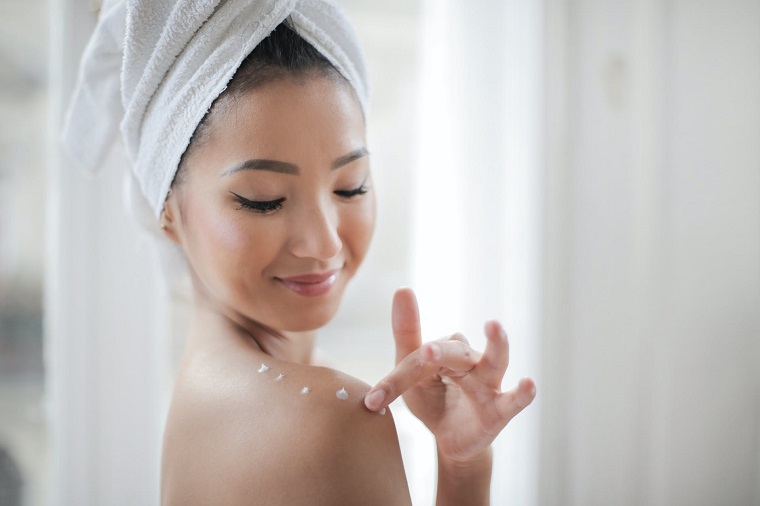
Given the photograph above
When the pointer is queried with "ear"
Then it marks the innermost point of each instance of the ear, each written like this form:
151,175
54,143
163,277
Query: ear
171,218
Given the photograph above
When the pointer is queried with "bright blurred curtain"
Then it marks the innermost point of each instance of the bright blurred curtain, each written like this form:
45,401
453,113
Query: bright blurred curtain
476,204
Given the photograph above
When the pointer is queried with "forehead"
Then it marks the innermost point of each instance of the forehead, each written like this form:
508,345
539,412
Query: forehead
300,120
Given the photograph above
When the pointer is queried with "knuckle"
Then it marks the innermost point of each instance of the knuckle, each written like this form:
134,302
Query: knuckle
405,333
418,364
458,336
468,354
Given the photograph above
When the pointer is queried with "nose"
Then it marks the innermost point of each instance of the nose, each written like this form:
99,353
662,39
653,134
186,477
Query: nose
314,233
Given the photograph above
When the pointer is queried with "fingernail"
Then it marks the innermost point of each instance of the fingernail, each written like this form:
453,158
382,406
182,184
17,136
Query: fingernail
374,399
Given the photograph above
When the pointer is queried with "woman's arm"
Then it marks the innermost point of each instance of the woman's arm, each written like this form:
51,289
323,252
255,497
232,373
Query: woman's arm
464,482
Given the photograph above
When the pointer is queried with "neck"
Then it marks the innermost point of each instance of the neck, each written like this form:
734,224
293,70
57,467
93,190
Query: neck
216,325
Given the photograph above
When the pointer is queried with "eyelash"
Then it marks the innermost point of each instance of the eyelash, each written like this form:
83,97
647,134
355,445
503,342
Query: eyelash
361,190
260,206
269,206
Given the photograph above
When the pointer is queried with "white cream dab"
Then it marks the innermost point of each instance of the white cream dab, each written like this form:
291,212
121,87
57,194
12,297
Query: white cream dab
263,368
341,394
305,390
382,411
279,377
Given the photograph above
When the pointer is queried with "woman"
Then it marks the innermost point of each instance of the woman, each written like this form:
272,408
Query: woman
272,206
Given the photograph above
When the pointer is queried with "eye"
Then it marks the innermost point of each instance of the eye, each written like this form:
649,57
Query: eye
260,206
361,190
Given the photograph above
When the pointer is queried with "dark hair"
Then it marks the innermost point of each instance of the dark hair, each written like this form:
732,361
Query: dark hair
282,54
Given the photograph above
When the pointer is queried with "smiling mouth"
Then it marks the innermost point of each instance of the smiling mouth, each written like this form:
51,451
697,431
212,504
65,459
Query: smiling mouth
311,285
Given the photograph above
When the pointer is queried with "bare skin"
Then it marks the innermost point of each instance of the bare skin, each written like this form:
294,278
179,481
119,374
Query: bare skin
236,436
281,189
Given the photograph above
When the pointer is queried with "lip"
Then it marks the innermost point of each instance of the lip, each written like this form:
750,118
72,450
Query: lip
311,285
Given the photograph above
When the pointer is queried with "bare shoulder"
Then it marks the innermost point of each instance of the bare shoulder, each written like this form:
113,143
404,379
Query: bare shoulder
277,433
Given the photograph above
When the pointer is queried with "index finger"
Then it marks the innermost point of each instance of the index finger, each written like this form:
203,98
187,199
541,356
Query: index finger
409,371
405,318
446,358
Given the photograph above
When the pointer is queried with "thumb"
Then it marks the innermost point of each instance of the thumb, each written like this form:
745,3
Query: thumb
405,318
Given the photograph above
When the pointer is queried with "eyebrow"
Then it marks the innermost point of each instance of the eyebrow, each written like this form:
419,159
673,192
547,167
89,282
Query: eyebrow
290,168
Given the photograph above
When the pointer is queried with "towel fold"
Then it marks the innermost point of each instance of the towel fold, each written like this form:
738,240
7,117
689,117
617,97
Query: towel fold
154,67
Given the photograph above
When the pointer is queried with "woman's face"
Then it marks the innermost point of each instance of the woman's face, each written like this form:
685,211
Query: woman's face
277,210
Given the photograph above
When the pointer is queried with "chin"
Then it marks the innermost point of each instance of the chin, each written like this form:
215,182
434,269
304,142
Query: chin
309,320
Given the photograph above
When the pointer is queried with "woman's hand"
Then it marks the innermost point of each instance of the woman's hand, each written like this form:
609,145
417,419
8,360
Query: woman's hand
453,389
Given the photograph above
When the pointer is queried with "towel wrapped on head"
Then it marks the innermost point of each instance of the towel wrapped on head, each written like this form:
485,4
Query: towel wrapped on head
153,68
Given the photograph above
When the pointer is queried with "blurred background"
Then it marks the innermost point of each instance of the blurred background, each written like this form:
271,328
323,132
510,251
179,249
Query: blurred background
23,194
587,172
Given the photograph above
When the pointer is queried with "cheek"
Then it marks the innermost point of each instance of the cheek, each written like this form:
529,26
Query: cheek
225,250
358,226
216,230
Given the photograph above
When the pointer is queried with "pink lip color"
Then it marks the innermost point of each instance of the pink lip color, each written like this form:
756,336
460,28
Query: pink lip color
311,285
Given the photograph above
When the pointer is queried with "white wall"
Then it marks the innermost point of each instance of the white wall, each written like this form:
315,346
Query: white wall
652,253
106,352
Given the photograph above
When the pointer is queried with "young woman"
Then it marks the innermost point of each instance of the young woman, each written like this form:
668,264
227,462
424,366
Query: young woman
274,208
248,144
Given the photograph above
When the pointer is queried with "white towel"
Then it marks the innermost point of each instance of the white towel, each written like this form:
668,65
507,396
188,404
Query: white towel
175,58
